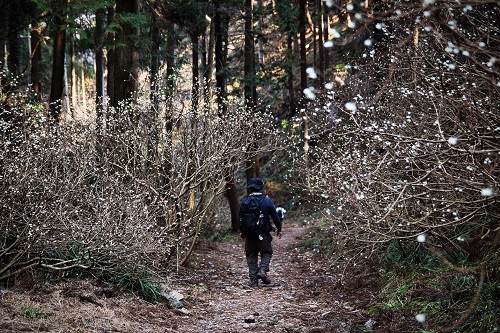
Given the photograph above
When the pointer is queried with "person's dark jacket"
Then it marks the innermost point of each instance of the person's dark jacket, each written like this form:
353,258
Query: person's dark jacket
269,211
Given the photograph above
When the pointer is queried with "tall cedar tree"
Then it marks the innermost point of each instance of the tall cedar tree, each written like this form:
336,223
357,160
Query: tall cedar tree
57,82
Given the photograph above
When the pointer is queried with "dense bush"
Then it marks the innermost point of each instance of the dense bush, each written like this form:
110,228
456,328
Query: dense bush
126,197
407,147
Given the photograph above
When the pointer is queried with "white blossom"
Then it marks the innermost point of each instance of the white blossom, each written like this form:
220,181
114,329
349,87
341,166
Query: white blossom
333,32
492,61
421,238
311,73
487,192
351,106
420,318
309,93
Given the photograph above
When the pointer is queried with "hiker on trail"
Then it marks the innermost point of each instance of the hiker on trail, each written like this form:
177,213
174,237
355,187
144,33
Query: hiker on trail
256,211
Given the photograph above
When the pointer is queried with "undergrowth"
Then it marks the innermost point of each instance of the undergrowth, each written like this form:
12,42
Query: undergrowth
413,281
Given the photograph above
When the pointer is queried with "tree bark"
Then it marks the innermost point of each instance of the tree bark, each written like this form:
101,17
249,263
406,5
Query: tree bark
208,74
99,64
111,64
195,70
303,51
73,79
221,26
36,36
232,199
123,54
321,53
57,81
289,76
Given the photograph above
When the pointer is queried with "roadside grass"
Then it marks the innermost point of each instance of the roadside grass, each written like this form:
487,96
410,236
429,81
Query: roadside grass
138,282
419,283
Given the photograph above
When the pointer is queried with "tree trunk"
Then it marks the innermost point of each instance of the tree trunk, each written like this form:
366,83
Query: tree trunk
36,49
73,79
195,71
166,165
260,42
210,64
249,56
303,51
221,26
99,64
57,81
289,76
123,55
232,199
111,63
84,93
321,52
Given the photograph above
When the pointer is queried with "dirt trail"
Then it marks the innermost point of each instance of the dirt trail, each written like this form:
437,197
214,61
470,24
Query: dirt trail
304,297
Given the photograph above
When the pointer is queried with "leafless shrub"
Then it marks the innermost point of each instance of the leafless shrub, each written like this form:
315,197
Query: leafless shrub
131,196
411,145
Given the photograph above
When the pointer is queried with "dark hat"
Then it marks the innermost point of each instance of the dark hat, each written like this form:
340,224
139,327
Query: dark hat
256,183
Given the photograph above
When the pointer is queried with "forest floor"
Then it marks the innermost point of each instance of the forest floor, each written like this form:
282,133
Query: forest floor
305,296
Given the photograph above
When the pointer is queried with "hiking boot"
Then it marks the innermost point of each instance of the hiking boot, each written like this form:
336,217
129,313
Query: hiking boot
262,275
254,283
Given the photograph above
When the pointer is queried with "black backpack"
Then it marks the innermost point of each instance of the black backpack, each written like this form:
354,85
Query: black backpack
251,223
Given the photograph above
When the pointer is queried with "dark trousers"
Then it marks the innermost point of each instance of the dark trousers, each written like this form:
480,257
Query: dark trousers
254,247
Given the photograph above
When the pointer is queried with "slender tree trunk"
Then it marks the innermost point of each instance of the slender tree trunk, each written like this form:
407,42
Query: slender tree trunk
289,73
303,51
73,78
111,64
84,95
249,56
221,26
249,81
123,55
321,52
208,74
36,49
136,68
99,64
195,70
166,165
170,56
203,65
4,29
232,199
260,42
57,81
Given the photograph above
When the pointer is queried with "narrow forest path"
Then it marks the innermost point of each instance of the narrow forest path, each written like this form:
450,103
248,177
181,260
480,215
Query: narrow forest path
305,297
